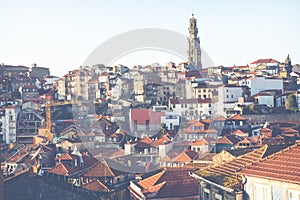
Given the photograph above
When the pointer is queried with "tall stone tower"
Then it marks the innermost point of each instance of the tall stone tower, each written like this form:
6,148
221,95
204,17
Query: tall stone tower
288,66
194,51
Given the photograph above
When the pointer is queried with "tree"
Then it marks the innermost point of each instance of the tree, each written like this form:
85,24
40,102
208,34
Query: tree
254,108
291,103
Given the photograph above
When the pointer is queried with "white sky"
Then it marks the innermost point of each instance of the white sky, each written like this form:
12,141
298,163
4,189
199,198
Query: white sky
61,34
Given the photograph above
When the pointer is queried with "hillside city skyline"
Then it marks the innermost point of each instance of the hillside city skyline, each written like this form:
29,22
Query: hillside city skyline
183,100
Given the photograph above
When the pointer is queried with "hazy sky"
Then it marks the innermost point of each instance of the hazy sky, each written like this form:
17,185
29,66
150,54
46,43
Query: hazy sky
61,34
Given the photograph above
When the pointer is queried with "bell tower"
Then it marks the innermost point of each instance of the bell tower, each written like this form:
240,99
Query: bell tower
194,50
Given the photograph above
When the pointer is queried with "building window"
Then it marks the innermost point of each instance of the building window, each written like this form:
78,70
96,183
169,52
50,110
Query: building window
147,124
206,194
293,195
218,197
135,124
261,192
232,96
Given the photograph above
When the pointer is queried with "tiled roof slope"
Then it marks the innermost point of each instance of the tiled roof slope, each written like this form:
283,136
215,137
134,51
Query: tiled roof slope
170,183
225,174
96,186
65,170
101,169
272,166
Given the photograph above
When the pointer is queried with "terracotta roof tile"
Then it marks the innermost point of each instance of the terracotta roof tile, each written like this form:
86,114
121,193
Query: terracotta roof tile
199,142
197,123
160,141
264,61
155,188
220,119
170,183
142,115
206,121
229,139
192,121
101,169
272,166
240,133
63,169
96,186
236,117
186,156
66,156
150,181
220,173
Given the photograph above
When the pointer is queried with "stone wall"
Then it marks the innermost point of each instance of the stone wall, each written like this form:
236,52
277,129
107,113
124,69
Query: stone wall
262,118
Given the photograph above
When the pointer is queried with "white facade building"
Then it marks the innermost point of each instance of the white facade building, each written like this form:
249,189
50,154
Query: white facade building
171,120
228,95
8,121
191,108
265,99
258,84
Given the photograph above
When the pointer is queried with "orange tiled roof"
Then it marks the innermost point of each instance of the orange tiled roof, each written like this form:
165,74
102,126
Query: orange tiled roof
208,131
206,121
263,61
160,141
220,119
170,183
229,139
186,156
66,156
221,173
192,121
236,117
146,140
238,132
244,141
101,169
95,186
150,181
197,123
264,130
289,130
155,188
65,170
272,166
199,142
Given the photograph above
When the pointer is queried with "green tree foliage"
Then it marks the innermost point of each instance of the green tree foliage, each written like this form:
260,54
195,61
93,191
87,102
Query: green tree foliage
291,103
254,108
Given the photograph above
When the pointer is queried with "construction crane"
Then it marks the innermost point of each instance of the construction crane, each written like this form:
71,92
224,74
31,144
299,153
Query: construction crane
48,111
48,105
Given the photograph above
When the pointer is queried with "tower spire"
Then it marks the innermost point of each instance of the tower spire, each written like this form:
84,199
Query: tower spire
194,50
